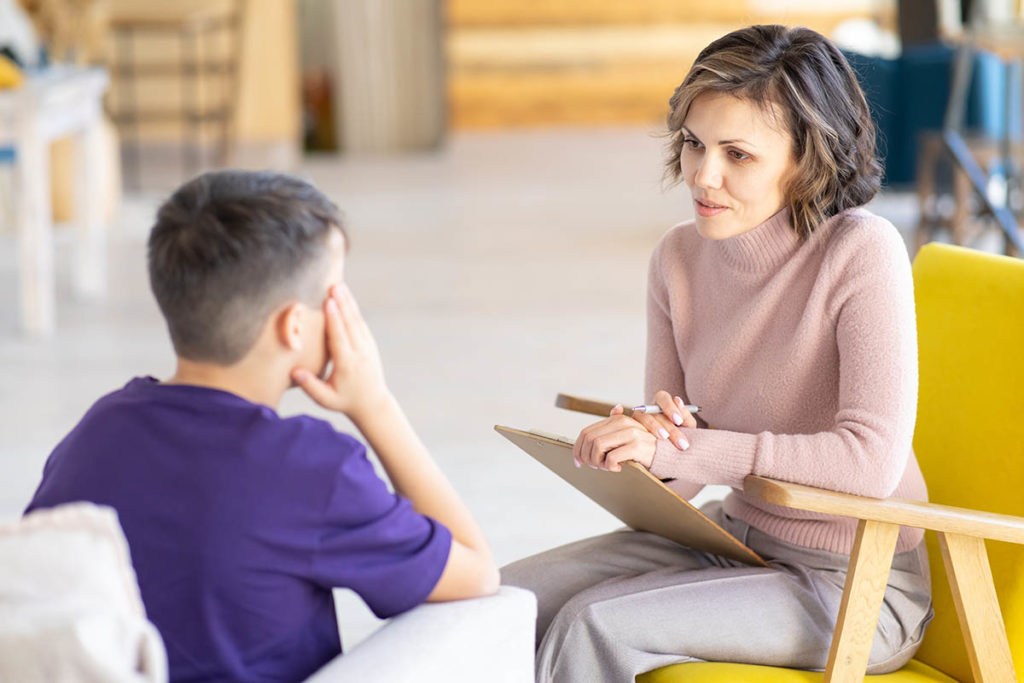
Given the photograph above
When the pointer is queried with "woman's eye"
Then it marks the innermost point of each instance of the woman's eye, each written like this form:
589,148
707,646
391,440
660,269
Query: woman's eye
691,143
738,155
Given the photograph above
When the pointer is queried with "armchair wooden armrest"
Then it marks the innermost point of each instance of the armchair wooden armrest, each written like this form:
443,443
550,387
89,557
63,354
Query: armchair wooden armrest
961,532
586,405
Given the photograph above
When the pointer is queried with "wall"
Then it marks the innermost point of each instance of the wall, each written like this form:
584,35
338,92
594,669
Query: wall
542,62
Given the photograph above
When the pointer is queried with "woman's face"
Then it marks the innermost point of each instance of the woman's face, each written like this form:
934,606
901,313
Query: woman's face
735,160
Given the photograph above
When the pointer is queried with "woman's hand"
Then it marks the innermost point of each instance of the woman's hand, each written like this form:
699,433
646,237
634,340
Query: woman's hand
614,440
356,381
666,425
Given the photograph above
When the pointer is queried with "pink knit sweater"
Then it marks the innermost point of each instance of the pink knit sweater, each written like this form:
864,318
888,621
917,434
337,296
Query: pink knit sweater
803,359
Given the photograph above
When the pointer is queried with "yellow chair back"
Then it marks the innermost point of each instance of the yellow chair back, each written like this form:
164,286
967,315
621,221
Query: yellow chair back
969,437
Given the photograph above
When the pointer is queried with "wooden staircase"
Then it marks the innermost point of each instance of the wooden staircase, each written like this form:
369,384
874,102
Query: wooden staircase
550,62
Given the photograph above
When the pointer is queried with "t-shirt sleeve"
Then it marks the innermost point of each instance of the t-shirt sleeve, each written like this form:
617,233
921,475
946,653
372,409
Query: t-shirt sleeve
376,544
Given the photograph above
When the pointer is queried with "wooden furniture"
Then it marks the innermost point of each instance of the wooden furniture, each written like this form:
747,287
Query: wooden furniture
203,67
961,221
51,104
1008,44
969,442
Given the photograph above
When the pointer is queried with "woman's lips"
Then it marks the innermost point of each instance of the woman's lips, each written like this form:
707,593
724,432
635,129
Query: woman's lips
708,209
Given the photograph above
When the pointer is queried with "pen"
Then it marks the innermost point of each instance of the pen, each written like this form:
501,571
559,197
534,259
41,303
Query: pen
656,410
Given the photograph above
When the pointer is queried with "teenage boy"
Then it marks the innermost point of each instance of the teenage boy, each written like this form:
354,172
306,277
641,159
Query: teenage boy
241,521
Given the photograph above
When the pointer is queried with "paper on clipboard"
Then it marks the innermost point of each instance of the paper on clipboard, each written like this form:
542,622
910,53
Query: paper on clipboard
635,496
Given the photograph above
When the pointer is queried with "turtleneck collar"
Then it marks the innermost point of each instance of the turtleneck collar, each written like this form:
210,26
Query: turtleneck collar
762,248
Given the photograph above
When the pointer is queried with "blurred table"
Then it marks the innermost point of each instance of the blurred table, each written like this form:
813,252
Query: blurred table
54,103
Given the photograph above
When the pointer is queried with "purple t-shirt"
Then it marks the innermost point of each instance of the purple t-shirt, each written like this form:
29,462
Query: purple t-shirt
240,522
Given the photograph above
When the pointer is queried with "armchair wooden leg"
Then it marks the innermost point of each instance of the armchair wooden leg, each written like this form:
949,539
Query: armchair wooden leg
866,580
970,580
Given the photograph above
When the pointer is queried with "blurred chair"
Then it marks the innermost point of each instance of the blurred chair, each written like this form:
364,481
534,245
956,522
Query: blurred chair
208,39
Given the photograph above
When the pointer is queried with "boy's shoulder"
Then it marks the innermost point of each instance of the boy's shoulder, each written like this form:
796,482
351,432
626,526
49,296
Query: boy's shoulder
166,434
202,415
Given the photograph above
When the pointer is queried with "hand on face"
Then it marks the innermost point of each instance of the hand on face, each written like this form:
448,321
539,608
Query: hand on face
356,380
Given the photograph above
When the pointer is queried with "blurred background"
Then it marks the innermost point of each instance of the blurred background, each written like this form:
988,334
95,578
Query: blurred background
499,163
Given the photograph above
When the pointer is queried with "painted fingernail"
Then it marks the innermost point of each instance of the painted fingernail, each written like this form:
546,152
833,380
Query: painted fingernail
576,462
332,305
682,443
677,418
593,467
662,432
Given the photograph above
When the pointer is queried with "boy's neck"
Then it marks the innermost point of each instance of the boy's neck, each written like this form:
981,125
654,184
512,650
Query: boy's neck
247,378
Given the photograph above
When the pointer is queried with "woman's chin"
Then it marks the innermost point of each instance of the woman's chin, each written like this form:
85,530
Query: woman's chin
710,229
718,228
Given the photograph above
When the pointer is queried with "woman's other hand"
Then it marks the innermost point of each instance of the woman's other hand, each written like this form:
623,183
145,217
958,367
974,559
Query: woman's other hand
612,441
666,425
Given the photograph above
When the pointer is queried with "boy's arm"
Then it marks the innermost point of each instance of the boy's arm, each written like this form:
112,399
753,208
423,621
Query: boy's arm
356,387
470,571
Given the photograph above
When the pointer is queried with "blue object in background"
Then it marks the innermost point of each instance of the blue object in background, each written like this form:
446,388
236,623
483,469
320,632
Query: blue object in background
6,155
909,95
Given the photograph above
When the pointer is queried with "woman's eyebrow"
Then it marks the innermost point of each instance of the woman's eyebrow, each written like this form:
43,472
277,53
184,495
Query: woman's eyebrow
720,142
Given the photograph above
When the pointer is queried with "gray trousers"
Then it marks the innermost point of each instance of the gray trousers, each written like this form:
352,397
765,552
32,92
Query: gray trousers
618,605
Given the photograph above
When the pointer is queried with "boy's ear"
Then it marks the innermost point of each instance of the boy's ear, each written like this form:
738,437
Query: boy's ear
288,325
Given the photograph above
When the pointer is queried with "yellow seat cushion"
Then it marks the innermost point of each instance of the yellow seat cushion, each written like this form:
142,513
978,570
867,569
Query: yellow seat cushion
708,672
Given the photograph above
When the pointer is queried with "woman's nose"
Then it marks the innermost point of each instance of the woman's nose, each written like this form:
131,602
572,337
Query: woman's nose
708,174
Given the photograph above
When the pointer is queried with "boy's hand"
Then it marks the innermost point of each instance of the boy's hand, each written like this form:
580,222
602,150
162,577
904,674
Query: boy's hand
356,381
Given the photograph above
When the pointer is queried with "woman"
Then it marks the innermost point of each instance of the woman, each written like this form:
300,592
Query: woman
785,311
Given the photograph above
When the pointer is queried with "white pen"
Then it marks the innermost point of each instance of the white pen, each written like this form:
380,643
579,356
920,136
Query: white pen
656,410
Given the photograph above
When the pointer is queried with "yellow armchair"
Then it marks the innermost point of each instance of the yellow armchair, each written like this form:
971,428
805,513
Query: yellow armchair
969,441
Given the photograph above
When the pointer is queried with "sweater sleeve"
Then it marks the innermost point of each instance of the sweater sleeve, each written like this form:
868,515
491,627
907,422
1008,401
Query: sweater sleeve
865,451
663,369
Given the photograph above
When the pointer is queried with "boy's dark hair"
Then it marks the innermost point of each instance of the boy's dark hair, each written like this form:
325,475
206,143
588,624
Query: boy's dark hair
229,247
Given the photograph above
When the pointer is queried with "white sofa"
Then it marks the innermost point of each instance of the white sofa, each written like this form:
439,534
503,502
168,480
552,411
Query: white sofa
486,639
70,610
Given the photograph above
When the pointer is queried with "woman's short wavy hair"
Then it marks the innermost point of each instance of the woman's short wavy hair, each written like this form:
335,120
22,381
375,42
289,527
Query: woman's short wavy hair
802,75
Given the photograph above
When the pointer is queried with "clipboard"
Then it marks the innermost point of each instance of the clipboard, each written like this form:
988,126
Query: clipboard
635,496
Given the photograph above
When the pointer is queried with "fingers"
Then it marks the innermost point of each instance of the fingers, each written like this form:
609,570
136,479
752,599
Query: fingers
577,448
339,342
637,451
675,409
619,437
689,419
317,389
662,428
351,316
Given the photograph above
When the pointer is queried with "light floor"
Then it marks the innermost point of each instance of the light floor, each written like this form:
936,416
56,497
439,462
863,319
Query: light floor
495,273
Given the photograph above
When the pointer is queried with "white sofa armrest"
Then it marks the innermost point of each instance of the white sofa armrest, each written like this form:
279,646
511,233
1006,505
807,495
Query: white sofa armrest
488,638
